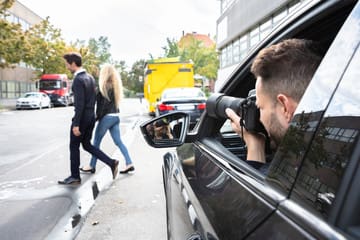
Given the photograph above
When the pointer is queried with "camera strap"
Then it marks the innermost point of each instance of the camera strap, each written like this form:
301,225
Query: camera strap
242,123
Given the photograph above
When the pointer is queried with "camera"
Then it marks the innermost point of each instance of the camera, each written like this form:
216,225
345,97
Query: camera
244,107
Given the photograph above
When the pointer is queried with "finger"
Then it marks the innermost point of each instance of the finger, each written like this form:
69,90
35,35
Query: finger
232,115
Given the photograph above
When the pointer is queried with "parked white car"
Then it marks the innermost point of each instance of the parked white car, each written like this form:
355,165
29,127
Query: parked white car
33,100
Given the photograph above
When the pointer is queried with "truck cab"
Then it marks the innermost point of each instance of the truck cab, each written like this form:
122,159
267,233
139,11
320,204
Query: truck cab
58,88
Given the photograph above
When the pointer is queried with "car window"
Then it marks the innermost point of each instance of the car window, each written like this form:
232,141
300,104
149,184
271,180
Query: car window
332,146
32,95
329,121
286,159
183,93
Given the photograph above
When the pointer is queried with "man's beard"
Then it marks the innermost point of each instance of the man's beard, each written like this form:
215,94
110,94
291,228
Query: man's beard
276,130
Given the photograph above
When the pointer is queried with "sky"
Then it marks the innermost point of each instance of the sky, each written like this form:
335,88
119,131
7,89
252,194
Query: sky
134,28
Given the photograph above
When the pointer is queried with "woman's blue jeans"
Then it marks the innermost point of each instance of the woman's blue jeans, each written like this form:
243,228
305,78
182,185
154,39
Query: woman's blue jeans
112,123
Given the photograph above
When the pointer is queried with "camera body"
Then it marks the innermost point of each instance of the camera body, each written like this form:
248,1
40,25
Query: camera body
245,107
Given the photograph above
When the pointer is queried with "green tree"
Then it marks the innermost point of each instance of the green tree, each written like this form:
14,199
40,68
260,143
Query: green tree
46,48
121,67
13,47
205,59
89,60
101,49
172,48
135,81
94,53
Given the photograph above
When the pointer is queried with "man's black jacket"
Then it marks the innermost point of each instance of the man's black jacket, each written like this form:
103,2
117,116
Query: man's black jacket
84,90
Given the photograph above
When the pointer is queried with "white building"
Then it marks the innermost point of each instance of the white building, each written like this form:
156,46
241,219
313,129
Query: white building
241,25
15,81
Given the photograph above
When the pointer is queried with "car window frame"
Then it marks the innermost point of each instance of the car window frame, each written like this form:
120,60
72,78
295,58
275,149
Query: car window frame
247,81
291,207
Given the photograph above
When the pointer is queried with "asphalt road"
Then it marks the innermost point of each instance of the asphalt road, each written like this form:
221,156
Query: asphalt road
34,155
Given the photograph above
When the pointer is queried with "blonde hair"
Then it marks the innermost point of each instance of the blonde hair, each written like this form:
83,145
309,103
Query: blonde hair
109,79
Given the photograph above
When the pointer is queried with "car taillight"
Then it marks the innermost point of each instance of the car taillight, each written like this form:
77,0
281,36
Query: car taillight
201,106
164,107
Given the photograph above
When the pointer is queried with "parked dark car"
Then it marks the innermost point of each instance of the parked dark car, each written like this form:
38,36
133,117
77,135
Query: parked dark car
190,100
311,189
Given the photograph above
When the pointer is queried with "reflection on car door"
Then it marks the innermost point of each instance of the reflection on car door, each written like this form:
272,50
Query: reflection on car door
217,201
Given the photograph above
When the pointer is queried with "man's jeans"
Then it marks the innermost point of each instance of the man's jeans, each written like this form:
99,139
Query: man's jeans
109,122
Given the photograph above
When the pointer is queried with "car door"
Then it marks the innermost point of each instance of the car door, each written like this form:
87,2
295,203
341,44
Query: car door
321,205
218,195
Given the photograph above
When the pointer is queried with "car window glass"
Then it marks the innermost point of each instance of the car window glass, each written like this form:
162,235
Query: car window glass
332,146
290,154
332,66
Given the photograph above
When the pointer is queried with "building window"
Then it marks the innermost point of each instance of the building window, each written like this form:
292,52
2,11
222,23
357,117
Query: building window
254,36
265,28
236,51
229,55
293,5
223,57
244,46
279,16
225,4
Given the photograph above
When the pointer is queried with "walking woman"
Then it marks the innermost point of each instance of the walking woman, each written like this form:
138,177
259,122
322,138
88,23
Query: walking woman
107,113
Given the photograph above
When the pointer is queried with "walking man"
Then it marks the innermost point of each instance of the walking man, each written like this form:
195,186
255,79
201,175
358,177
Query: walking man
83,122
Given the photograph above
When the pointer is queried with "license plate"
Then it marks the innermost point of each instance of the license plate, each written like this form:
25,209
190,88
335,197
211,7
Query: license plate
185,107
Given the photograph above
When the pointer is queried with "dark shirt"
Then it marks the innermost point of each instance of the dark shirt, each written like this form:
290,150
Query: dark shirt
84,90
104,106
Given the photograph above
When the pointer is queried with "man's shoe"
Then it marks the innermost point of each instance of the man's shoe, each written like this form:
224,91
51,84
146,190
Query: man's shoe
129,169
87,170
70,181
114,168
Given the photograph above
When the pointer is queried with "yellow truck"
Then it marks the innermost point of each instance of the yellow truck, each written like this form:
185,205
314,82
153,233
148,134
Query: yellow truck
165,73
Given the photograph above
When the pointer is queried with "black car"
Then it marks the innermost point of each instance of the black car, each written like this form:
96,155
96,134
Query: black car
311,189
186,99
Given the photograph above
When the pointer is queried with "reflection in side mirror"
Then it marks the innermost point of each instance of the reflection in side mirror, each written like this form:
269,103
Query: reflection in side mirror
168,130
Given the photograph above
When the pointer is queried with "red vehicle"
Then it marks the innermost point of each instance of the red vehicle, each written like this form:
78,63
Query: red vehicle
58,87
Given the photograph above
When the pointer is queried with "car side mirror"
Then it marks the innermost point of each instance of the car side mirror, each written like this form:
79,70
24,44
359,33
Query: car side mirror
168,130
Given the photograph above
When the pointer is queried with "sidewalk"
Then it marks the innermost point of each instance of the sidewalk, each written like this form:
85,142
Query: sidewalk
6,104
134,205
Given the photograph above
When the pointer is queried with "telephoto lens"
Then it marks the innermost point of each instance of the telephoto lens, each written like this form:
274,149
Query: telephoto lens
244,107
218,102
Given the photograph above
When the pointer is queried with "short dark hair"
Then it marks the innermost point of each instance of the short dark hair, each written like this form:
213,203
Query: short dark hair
73,57
287,66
